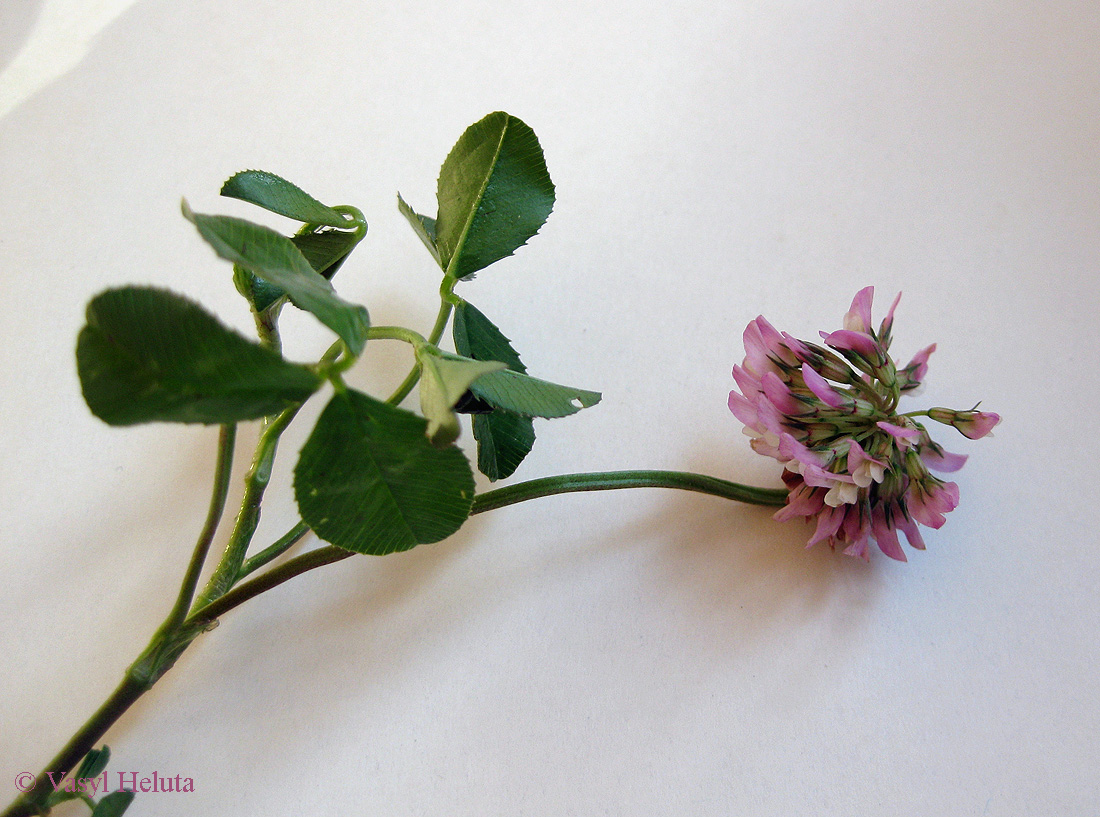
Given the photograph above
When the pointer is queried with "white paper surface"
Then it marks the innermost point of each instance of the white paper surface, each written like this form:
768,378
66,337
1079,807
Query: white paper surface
630,653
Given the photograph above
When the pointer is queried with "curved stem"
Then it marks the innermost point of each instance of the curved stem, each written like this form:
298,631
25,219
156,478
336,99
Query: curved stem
501,497
614,480
433,338
226,439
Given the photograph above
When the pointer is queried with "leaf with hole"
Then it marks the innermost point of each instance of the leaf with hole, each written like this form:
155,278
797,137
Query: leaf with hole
369,481
530,396
275,259
276,194
494,193
149,355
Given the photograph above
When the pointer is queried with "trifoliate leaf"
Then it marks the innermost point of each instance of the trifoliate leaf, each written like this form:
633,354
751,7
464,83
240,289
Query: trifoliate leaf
275,259
148,354
368,480
494,193
276,194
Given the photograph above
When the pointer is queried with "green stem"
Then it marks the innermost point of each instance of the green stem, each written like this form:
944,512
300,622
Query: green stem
275,550
82,742
205,615
144,672
499,498
415,339
614,480
433,338
225,574
222,471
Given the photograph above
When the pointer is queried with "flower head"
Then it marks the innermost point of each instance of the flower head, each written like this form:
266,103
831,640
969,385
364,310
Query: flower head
829,414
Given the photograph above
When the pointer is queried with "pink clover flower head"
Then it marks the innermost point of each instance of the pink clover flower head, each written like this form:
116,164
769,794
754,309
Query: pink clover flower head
829,413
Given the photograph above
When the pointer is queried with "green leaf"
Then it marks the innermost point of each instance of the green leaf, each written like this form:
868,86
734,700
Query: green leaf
325,250
148,354
504,438
114,804
275,259
494,193
443,380
276,194
93,763
423,226
477,337
530,396
369,481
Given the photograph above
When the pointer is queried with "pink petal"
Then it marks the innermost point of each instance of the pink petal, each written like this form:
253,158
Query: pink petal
943,461
977,424
748,383
858,318
898,431
887,538
918,366
743,410
828,523
858,342
756,351
856,457
779,395
912,533
888,322
792,449
820,387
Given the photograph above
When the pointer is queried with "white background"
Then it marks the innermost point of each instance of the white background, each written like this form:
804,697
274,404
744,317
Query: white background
637,653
